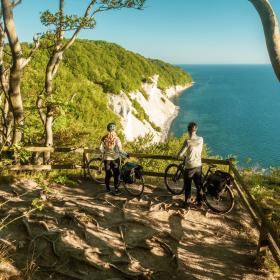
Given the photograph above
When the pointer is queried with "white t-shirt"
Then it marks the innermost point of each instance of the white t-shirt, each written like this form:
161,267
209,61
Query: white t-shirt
192,149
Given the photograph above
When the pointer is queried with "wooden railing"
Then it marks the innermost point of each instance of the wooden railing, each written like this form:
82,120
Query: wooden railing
268,236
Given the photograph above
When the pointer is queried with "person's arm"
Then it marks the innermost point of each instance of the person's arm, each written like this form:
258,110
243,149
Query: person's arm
102,149
119,144
183,149
119,148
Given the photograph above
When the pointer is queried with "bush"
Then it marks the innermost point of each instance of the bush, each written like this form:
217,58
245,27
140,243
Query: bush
146,146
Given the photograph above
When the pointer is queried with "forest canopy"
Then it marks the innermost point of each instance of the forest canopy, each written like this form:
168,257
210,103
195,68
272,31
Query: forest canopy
90,70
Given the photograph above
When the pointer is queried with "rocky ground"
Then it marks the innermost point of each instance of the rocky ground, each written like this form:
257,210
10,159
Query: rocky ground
84,233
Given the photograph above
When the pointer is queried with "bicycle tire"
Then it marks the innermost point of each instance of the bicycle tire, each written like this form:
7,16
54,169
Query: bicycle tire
223,203
173,179
136,188
93,172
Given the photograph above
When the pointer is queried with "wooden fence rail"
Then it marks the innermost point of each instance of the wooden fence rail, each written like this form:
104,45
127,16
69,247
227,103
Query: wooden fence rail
258,216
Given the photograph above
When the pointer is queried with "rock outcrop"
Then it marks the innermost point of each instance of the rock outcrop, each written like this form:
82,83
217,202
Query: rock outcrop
157,105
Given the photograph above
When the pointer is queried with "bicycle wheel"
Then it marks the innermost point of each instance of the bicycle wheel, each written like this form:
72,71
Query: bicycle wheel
93,171
223,203
136,188
173,178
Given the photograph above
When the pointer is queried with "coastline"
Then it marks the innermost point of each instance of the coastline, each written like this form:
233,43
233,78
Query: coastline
177,90
159,107
167,125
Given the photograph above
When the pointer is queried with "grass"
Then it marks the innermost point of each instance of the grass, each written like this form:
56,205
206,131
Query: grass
265,188
141,114
144,93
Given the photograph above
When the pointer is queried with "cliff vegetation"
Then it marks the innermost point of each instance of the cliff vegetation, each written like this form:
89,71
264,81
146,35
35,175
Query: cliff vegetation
90,71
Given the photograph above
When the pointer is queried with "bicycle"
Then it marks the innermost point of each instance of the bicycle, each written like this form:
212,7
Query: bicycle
221,202
96,172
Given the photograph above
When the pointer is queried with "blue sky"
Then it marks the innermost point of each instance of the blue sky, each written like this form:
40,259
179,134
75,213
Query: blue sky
177,31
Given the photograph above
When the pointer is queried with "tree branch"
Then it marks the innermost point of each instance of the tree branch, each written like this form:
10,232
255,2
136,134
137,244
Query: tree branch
271,31
74,36
15,3
4,121
10,30
36,41
60,34
39,104
57,63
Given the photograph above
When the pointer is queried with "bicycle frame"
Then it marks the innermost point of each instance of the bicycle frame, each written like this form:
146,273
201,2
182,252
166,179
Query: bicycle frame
99,164
204,176
222,203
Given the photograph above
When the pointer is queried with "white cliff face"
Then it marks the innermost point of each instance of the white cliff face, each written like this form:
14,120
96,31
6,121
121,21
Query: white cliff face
132,126
173,91
160,110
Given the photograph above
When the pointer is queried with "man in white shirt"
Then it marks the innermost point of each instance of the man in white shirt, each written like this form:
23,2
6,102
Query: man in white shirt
192,149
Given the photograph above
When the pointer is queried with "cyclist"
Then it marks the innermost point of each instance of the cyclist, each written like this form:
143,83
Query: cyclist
192,149
111,149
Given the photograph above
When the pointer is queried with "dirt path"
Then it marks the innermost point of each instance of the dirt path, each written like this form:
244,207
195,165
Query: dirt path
84,233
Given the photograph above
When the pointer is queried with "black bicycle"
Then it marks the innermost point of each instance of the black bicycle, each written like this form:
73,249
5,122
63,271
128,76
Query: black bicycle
131,177
217,196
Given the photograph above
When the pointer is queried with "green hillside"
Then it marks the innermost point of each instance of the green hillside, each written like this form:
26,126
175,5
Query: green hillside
90,70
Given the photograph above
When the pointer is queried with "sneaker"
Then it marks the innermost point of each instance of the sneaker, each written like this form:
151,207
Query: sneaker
108,190
185,205
117,191
198,204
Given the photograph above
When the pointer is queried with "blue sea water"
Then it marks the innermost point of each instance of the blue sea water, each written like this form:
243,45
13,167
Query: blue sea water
237,108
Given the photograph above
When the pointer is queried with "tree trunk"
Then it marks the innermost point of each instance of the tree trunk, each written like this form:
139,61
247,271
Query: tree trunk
271,31
16,71
16,101
50,74
48,128
51,71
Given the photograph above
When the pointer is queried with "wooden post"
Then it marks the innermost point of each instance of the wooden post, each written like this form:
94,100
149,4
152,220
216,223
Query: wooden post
85,162
36,158
231,162
263,238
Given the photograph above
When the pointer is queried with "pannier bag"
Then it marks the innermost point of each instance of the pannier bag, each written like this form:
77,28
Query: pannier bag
217,181
130,172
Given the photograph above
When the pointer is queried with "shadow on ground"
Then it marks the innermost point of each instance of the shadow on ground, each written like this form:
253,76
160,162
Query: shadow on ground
84,233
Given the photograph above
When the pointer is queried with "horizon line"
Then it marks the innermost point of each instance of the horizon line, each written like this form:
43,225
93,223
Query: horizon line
221,63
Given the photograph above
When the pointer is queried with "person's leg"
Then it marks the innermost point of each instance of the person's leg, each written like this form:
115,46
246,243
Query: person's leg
116,171
197,177
108,174
188,174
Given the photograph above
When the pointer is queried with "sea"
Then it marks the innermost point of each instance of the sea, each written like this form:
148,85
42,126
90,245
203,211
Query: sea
237,109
